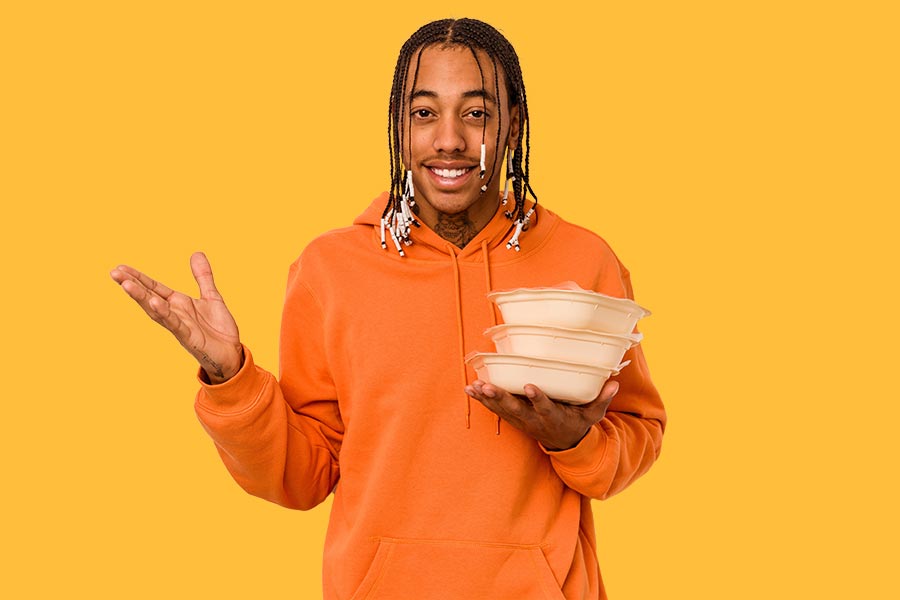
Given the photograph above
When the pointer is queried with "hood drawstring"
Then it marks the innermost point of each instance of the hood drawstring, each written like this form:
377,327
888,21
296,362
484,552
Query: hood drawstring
487,286
459,327
451,250
487,279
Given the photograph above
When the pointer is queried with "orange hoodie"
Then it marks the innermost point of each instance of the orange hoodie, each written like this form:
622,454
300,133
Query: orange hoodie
433,498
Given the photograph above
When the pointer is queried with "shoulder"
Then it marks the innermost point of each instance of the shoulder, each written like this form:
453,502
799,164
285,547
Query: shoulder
344,244
580,241
330,250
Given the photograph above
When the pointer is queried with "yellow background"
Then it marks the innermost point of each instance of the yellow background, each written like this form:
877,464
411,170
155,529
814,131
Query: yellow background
741,157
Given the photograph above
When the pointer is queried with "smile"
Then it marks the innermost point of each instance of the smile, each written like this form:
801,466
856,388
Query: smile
450,173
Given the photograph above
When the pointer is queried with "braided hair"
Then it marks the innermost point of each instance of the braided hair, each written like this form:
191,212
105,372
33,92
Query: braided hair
474,35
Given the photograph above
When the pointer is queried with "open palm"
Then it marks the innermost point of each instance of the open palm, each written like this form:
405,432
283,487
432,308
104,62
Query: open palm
204,325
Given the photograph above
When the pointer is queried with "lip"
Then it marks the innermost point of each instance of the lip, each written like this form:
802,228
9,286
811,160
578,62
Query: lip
450,164
450,183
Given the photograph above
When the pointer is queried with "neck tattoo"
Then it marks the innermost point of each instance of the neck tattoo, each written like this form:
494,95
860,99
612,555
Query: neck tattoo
457,229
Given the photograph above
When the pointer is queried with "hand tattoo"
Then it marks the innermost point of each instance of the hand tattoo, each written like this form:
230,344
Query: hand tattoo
218,368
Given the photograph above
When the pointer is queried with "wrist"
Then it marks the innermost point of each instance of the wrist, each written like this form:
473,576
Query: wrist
217,374
565,445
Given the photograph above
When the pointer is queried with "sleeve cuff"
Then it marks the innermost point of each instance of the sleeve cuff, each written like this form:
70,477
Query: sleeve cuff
234,395
584,457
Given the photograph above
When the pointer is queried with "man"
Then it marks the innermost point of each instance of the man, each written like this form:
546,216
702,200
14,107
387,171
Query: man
436,496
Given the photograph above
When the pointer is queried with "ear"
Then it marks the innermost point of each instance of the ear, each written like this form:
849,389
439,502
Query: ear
512,139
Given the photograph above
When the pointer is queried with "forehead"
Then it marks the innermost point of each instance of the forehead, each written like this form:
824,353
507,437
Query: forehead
453,71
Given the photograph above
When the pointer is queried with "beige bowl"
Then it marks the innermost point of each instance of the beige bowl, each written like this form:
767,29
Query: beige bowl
571,309
573,345
563,381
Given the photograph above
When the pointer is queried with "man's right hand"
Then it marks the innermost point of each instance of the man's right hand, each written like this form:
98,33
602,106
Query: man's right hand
204,325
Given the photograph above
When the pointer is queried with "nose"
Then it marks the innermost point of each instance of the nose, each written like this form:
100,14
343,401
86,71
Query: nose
448,135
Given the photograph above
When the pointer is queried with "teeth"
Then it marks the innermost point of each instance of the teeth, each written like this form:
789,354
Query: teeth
450,173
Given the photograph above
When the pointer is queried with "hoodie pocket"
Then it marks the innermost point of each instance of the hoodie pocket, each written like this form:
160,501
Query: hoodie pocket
457,570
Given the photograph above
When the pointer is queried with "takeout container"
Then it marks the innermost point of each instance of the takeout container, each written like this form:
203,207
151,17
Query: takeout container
565,340
573,345
568,308
564,381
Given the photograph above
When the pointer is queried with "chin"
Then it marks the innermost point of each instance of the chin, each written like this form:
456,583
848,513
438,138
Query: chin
450,204
452,208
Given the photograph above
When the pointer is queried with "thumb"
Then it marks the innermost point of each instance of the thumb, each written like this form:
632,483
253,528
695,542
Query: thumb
203,274
610,389
597,408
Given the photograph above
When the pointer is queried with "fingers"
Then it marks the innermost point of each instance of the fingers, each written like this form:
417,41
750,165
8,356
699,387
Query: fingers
129,281
543,405
148,293
478,391
123,272
556,425
142,289
498,400
203,274
506,404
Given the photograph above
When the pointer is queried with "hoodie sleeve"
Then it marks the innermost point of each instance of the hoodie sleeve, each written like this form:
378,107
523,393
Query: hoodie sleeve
280,440
621,447
624,445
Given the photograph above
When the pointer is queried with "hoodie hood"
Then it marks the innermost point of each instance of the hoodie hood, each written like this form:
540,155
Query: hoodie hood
428,245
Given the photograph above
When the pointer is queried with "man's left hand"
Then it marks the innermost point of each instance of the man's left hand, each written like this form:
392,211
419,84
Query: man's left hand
556,425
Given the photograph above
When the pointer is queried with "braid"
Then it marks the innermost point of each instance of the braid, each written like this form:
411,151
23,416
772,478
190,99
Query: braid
499,116
474,35
429,34
483,123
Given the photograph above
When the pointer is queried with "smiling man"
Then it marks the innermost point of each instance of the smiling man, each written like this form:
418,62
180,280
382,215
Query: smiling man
444,486
451,116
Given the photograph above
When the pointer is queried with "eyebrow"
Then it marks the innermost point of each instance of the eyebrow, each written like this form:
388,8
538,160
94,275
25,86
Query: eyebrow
484,94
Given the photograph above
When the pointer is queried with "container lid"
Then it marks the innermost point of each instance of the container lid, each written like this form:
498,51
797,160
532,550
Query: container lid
479,358
571,295
578,334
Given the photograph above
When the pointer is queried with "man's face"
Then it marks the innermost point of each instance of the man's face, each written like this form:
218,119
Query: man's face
449,109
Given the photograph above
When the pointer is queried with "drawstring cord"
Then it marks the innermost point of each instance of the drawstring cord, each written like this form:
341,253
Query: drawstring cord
459,327
487,279
459,321
487,285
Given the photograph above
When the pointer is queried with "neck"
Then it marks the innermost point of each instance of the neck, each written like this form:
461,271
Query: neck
459,228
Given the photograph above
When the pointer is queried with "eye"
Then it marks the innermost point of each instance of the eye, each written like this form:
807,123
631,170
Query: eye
478,114
421,113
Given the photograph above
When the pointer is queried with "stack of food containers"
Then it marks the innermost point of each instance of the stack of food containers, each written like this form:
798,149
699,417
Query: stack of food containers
565,340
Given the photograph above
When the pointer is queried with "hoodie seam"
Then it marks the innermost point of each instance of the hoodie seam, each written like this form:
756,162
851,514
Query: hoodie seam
314,297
